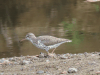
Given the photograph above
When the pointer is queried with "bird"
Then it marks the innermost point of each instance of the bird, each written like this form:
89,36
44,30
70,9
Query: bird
45,42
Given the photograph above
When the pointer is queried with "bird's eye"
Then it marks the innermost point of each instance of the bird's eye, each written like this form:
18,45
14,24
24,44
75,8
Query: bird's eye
27,36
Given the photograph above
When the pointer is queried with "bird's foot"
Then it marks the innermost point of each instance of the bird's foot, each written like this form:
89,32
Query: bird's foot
52,55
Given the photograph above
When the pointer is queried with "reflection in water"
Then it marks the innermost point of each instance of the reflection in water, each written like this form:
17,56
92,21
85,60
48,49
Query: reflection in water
11,44
5,33
75,20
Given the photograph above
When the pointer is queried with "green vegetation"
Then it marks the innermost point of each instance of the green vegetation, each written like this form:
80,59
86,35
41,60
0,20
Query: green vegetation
72,32
97,7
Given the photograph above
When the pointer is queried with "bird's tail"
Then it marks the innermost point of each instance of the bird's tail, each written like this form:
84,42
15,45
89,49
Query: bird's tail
68,40
56,45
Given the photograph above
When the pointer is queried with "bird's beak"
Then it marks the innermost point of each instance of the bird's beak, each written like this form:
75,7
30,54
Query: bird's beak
22,40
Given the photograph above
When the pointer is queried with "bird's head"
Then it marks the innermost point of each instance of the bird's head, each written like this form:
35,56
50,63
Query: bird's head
29,36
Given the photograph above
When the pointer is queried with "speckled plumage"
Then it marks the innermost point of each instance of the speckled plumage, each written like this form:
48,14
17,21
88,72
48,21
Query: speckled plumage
46,42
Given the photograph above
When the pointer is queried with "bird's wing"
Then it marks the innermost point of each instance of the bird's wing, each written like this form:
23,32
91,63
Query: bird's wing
50,40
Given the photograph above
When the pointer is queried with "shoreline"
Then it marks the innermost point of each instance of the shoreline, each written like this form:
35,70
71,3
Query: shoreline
60,64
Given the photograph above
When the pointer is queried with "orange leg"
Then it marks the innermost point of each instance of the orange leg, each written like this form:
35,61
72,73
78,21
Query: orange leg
52,54
53,50
48,52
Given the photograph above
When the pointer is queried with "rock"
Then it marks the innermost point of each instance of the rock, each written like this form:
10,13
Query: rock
72,70
86,54
12,59
42,55
92,63
99,53
75,54
40,72
1,73
98,72
63,56
92,70
64,72
80,54
16,63
35,58
25,62
3,61
47,61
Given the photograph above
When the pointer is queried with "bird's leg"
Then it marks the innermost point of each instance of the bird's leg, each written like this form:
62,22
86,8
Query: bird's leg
52,54
48,52
53,50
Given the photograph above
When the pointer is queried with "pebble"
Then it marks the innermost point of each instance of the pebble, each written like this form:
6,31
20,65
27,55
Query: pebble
98,72
99,53
92,63
80,54
1,73
72,70
25,62
4,61
75,54
47,61
86,54
40,72
16,63
64,72
63,56
92,70
12,59
35,58
43,55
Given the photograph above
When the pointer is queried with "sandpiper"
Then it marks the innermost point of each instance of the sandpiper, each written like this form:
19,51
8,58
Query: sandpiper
45,42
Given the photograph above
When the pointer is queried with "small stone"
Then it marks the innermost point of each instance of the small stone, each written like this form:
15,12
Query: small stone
32,72
64,72
40,72
72,70
92,70
25,62
98,72
35,57
42,55
63,57
2,61
80,54
92,63
85,53
75,54
12,59
1,73
15,63
99,53
47,61
21,69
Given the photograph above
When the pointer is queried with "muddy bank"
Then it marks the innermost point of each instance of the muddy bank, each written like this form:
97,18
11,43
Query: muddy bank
58,64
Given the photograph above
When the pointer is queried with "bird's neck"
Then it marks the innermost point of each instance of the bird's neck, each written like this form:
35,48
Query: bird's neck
33,40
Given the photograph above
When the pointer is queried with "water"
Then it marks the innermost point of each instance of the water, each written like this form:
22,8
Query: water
76,20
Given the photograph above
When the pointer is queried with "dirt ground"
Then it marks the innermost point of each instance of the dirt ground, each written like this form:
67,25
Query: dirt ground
60,64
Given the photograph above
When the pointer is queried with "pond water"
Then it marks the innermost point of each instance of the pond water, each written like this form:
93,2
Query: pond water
76,20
